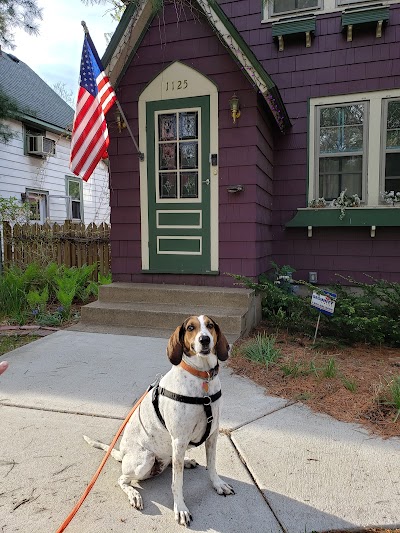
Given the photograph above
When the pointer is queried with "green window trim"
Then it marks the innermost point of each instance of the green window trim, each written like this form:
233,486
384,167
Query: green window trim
294,27
358,17
354,217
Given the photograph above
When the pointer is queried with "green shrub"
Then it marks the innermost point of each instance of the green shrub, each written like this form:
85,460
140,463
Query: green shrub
29,291
372,315
38,300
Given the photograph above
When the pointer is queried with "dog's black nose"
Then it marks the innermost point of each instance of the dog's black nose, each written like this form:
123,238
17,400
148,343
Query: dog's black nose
204,340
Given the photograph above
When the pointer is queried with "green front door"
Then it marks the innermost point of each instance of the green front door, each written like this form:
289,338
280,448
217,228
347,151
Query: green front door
178,180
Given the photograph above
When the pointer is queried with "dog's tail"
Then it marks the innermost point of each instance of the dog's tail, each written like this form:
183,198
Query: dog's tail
96,444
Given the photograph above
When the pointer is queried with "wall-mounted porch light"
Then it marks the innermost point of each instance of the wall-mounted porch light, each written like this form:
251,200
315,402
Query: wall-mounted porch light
234,107
120,121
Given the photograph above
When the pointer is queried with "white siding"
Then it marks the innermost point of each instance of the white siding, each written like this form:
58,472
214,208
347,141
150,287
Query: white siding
19,171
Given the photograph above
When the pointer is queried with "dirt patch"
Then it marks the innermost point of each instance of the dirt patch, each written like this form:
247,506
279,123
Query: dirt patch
359,375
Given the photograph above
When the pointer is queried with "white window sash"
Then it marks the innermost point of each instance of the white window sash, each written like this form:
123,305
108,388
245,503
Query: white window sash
362,152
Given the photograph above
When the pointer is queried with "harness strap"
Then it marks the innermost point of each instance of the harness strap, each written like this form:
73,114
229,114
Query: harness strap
206,401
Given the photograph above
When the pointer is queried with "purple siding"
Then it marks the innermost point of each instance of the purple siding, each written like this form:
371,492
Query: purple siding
271,166
245,156
332,66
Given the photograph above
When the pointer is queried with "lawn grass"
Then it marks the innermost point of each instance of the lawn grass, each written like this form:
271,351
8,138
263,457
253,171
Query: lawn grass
11,342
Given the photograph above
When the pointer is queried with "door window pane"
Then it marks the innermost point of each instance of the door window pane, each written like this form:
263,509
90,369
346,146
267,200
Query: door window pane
167,127
168,185
188,155
189,185
168,156
188,125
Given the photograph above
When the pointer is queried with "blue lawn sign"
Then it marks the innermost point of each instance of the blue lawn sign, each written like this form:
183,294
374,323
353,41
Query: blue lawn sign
325,303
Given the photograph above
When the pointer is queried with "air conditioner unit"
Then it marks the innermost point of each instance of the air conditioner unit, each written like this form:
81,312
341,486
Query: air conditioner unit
40,145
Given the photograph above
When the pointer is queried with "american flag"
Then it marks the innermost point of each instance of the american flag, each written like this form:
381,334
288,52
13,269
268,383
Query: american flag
90,139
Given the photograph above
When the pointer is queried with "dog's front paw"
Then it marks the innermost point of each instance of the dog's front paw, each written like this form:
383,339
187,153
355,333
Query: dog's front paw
135,499
190,463
182,515
222,488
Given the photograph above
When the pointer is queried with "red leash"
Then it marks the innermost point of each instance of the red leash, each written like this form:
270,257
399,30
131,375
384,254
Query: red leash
71,515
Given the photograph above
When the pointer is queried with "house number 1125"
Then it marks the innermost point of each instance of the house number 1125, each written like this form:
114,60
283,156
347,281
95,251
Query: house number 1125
176,85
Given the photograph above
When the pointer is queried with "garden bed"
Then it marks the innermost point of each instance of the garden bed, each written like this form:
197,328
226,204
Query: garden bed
349,383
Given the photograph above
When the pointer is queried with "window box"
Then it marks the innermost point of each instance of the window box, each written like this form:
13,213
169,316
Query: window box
355,217
372,217
304,26
376,16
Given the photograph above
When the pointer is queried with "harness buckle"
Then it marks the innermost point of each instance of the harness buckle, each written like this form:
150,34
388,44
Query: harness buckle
207,398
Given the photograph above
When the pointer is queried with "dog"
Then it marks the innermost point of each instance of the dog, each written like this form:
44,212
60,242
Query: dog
180,411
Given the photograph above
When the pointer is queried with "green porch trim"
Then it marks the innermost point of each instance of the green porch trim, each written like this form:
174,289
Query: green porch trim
114,51
273,97
357,17
118,35
354,217
119,32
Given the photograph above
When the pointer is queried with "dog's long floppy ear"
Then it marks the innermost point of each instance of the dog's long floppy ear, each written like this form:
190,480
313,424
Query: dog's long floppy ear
222,346
175,345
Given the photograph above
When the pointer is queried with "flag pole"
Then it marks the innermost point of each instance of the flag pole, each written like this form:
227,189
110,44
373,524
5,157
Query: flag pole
140,154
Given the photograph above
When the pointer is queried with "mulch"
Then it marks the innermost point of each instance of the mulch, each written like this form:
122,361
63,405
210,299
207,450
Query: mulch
368,367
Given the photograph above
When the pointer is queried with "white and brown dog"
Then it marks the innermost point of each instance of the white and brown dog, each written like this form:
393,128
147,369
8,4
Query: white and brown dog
178,412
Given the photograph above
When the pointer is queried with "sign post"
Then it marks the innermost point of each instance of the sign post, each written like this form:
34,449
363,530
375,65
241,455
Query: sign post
325,303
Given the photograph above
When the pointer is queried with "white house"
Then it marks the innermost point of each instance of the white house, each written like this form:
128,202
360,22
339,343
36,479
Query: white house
34,164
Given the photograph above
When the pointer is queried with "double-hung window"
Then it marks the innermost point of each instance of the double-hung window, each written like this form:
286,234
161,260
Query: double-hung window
391,155
354,145
288,6
75,199
38,205
276,9
341,149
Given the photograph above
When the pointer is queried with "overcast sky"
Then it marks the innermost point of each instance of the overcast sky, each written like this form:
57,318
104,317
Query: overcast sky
55,54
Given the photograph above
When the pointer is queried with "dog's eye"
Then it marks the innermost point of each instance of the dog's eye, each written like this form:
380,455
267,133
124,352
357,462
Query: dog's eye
190,328
210,326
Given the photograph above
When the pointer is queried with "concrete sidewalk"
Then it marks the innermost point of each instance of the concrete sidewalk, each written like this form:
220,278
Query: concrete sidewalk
292,470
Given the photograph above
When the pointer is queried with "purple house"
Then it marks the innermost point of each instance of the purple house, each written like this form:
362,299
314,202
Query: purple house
252,120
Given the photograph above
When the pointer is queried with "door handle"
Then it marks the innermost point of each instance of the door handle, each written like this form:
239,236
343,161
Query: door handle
207,181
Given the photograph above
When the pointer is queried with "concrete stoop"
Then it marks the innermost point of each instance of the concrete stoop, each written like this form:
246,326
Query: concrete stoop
163,307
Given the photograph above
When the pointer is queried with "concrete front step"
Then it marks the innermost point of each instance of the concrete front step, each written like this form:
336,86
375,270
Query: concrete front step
161,308
177,294
166,316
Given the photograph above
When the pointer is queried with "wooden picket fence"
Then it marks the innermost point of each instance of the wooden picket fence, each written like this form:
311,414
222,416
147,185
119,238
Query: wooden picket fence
67,244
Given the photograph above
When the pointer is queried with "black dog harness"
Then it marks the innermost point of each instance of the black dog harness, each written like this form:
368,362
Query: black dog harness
205,401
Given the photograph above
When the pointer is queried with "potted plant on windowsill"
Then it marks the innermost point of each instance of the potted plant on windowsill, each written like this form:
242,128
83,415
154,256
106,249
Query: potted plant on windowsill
391,198
318,203
344,200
